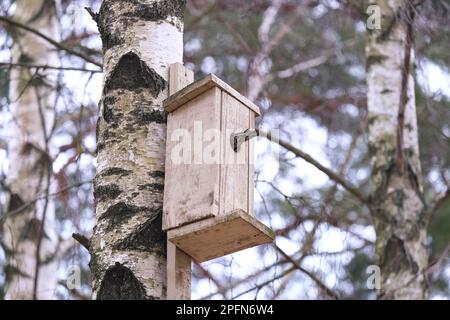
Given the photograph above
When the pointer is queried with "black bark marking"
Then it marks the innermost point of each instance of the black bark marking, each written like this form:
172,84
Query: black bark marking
147,237
157,11
33,230
100,146
119,283
107,135
151,187
111,22
109,191
25,59
115,171
396,258
120,213
398,197
107,113
110,40
10,271
15,202
142,116
131,73
374,59
108,104
106,20
156,174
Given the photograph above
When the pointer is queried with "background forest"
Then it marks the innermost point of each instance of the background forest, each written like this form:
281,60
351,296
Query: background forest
304,63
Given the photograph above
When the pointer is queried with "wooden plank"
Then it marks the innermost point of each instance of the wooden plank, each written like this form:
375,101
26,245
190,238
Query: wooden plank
198,87
191,185
179,77
251,169
234,168
215,237
178,273
178,263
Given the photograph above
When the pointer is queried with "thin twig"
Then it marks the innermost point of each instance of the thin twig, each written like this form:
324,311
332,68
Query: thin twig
50,40
300,67
332,175
26,205
45,66
221,289
437,203
263,284
76,293
313,277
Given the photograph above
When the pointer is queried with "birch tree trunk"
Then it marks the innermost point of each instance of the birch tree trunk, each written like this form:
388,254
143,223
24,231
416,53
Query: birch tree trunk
28,233
128,249
397,203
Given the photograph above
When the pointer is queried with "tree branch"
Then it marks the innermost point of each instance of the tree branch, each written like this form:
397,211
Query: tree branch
45,66
76,293
313,277
332,175
43,196
437,203
221,289
299,67
50,40
84,241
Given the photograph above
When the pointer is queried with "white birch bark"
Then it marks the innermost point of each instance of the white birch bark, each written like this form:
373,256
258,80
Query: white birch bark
397,203
32,96
128,249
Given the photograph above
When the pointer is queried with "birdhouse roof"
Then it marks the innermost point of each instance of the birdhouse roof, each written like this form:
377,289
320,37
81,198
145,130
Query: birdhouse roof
200,86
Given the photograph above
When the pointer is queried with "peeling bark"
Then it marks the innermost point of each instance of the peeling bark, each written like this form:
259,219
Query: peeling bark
397,204
32,106
128,249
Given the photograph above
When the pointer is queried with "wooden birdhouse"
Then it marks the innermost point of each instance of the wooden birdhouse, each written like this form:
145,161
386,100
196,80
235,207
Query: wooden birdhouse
208,195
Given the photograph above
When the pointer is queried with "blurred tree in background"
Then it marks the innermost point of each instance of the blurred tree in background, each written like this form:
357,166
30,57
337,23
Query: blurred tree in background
304,63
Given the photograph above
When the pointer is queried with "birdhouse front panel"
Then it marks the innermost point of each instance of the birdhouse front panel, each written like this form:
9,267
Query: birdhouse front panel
192,182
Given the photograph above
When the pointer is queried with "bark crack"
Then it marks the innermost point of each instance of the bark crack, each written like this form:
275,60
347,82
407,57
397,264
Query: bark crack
407,17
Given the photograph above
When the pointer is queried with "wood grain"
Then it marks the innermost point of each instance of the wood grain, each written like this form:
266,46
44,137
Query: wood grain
198,87
219,236
179,272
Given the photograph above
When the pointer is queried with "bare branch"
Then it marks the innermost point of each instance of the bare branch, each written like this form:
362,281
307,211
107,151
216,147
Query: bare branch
269,17
93,14
50,40
437,265
28,204
265,283
332,175
437,203
84,241
221,289
300,67
4,65
76,293
313,277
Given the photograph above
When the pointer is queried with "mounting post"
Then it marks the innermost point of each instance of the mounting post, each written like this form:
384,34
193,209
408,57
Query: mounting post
178,263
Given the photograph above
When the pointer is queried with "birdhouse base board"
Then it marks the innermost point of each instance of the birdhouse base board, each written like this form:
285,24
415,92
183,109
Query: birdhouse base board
216,237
